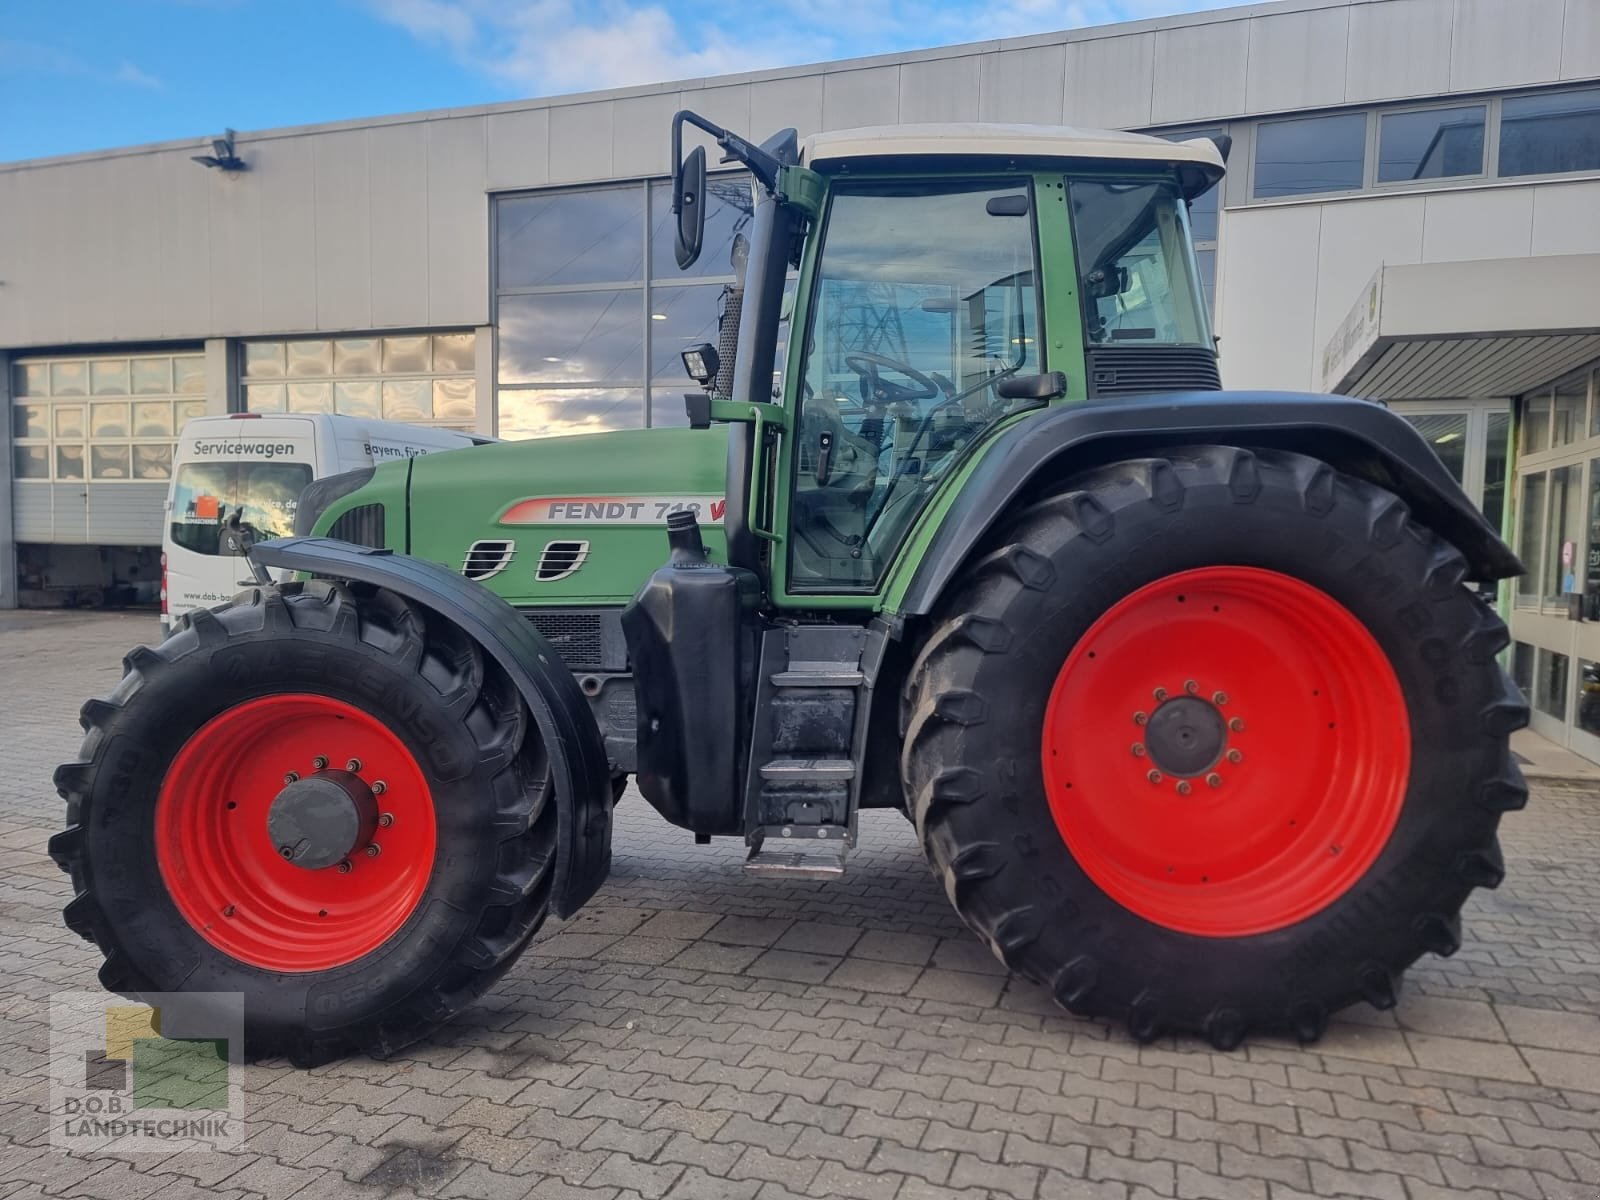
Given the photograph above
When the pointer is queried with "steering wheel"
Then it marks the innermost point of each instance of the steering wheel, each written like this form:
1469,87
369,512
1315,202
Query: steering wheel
878,392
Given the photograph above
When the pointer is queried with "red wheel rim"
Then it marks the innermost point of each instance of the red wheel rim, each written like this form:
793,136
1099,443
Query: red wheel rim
1300,715
231,882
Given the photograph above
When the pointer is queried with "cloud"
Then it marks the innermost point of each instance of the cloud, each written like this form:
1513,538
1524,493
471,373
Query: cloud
126,72
544,47
17,57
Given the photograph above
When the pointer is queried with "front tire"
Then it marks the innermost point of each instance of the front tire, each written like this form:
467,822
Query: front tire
191,873
1213,743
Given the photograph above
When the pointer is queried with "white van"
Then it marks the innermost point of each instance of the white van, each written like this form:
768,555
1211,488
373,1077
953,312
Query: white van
253,466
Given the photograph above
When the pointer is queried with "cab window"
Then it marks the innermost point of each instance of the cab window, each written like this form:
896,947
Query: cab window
1136,264
924,301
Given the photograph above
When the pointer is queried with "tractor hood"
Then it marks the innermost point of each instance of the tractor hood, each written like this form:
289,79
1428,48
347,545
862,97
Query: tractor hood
568,520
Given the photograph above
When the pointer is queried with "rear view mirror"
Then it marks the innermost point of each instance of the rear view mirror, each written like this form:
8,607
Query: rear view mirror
1033,387
688,192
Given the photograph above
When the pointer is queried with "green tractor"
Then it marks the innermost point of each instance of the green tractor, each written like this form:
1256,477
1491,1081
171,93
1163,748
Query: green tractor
1184,691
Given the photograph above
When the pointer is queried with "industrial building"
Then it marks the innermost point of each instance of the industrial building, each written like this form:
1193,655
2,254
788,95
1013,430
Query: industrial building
1410,215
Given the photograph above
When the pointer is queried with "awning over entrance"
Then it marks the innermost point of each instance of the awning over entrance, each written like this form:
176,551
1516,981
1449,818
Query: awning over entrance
1491,327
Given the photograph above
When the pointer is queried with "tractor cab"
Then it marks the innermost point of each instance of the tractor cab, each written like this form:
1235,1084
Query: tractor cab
951,280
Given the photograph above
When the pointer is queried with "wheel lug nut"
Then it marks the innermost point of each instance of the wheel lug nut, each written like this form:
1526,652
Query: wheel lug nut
1235,756
345,868
1138,749
1237,724
1219,698
1190,686
386,819
1139,718
372,850
286,851
319,762
353,765
379,787
1160,694
1183,787
1214,780
1154,776
291,776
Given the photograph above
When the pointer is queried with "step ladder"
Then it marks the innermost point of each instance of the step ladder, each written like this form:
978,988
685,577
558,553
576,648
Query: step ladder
803,790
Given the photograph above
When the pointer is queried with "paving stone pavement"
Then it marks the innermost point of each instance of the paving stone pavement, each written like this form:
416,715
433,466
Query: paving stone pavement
694,1034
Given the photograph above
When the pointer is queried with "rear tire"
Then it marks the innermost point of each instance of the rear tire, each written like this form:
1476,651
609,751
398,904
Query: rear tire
142,844
1000,776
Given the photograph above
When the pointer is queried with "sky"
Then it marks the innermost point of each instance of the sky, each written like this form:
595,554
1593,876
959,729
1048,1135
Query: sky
80,75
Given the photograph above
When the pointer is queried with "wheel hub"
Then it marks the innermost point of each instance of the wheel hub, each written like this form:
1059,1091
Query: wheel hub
288,871
1186,736
319,821
1270,750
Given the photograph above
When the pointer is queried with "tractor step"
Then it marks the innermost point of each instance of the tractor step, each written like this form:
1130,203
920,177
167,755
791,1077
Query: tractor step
798,769
818,679
791,861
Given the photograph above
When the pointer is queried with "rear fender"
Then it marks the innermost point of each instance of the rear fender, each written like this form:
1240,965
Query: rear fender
1356,437
577,752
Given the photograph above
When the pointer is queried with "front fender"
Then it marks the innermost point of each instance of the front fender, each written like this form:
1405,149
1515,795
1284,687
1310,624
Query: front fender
1357,437
577,753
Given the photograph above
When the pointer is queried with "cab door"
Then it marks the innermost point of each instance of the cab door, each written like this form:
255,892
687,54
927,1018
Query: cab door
923,299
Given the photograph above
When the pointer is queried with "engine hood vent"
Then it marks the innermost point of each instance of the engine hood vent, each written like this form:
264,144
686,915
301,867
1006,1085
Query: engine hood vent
561,559
488,557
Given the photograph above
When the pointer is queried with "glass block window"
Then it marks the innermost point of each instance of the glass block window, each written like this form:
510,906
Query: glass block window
108,418
592,311
419,378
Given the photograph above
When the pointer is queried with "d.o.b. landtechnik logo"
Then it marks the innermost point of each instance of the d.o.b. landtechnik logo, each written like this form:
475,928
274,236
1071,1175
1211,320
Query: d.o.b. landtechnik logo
163,1075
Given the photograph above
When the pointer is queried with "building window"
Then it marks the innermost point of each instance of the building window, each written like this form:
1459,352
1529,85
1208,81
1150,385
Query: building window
1522,669
1431,144
1550,133
1588,715
419,378
1535,423
1591,561
592,311
1310,154
1446,433
1568,411
1495,459
1561,543
1530,530
106,418
1550,683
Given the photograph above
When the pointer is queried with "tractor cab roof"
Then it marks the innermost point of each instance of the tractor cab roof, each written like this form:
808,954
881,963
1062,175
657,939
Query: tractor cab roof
1199,161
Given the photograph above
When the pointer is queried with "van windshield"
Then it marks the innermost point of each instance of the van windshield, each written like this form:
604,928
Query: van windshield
205,495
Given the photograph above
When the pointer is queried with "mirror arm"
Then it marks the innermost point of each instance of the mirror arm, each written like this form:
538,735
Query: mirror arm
735,148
